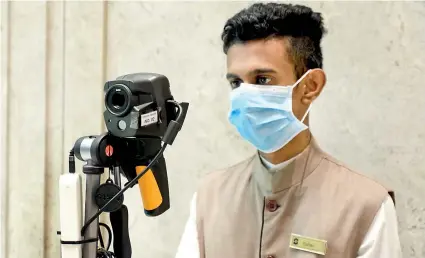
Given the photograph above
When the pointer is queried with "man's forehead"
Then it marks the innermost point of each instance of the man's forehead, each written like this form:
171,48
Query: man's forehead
258,54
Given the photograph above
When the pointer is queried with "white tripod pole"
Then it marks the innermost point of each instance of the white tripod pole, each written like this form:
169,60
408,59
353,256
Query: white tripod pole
70,213
71,222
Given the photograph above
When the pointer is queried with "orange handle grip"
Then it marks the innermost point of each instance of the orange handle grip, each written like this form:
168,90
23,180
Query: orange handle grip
149,189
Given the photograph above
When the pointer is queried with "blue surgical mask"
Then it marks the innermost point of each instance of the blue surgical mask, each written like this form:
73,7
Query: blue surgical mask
263,115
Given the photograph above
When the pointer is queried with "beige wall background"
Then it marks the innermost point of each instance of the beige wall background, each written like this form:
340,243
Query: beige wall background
57,55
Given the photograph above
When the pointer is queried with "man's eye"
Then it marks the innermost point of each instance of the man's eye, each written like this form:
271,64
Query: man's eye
263,80
235,84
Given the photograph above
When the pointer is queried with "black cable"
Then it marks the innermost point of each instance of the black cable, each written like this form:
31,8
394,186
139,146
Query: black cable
169,136
102,244
179,109
109,234
104,252
121,192
175,125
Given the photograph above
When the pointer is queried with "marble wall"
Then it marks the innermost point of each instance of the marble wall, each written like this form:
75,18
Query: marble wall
56,54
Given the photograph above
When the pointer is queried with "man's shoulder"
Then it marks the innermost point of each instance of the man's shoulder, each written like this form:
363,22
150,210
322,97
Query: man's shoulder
354,181
226,173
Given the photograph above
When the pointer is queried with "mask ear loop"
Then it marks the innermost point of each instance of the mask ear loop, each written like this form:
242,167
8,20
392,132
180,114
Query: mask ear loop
301,78
306,113
309,107
309,150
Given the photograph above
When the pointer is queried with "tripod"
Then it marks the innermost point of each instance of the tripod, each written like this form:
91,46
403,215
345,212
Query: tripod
99,198
142,118
133,157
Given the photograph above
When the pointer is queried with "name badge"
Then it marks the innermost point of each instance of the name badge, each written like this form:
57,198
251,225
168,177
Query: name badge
308,244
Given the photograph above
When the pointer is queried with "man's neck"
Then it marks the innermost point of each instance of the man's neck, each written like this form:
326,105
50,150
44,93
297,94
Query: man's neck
290,150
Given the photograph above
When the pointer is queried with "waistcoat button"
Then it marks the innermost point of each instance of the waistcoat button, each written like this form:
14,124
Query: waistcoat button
271,206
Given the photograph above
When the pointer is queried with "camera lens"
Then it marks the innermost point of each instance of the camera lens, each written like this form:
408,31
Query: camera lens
117,100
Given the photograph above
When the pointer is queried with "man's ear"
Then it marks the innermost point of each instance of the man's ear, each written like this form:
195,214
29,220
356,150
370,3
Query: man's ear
313,85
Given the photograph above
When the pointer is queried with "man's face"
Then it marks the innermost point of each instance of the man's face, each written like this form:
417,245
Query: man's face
266,62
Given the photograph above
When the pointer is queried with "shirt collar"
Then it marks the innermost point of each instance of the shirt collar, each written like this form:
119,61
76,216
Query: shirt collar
275,167
287,174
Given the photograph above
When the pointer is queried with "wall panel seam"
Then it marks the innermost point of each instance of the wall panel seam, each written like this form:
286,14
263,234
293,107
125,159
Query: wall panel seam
63,82
6,9
105,25
46,125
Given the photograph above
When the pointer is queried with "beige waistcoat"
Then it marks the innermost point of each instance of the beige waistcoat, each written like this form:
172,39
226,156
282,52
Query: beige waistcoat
246,211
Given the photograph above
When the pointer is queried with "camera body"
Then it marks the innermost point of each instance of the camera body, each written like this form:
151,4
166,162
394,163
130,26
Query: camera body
142,119
136,105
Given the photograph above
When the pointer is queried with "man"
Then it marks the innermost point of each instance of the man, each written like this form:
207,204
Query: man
290,199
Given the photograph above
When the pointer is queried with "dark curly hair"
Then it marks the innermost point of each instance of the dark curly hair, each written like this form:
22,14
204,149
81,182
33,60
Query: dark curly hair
299,24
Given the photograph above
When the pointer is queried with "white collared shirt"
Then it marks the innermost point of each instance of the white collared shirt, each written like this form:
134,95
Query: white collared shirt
382,239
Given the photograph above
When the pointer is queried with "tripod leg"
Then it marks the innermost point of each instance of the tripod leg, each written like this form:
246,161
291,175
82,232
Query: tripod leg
119,223
92,183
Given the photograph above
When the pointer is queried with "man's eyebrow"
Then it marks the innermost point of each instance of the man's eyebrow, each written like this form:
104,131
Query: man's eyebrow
253,72
231,76
262,70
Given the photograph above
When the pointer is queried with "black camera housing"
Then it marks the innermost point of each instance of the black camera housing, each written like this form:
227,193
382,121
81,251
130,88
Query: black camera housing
137,105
